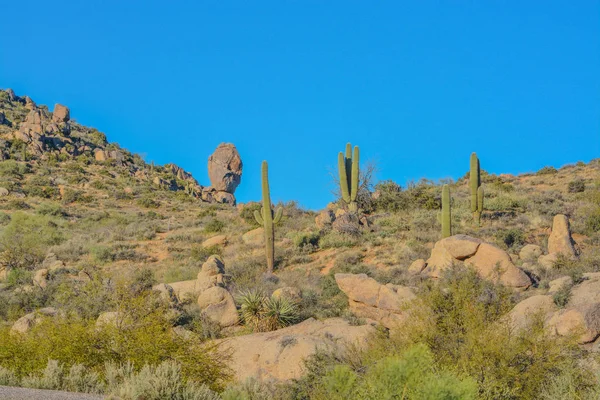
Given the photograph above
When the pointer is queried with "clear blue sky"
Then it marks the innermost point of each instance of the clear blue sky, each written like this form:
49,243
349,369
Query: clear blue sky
418,85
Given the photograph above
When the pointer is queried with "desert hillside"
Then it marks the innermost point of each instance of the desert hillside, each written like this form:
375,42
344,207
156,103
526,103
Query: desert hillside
123,278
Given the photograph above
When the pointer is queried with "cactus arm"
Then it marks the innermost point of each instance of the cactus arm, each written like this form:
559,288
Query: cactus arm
345,190
278,215
446,216
258,218
480,196
355,170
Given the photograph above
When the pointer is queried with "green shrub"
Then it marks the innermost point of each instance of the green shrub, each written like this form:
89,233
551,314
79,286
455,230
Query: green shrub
511,237
547,171
577,186
306,240
214,226
148,202
52,209
247,213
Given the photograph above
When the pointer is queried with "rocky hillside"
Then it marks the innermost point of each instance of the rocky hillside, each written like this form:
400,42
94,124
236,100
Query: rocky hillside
107,259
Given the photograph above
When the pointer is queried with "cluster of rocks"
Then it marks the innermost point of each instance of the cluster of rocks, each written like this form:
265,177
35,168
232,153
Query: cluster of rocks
580,316
45,133
560,242
341,220
209,290
489,261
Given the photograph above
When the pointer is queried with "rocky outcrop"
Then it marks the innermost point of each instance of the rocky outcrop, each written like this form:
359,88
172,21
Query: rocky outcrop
25,323
61,114
560,240
211,274
225,173
255,237
530,252
325,219
370,299
219,240
580,316
489,261
218,305
280,355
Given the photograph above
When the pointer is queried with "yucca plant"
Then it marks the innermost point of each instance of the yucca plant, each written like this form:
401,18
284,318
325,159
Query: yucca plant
264,314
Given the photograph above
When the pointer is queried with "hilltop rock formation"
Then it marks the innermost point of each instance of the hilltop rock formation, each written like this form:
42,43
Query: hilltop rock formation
280,355
490,262
225,173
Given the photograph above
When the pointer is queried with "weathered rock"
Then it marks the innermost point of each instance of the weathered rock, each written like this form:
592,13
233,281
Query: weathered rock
185,290
100,155
211,273
40,278
539,306
167,293
225,168
29,103
559,283
25,323
254,237
218,305
224,198
4,192
560,240
52,263
280,355
288,292
347,223
493,263
370,299
530,252
61,114
417,266
219,240
461,247
11,95
548,260
325,219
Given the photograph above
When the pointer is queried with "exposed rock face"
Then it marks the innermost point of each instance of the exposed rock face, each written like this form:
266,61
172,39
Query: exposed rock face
254,237
40,278
61,114
218,305
560,240
417,266
11,95
580,316
167,293
211,274
224,198
280,355
219,240
225,168
370,299
530,252
548,260
490,262
325,219
559,283
25,323
521,315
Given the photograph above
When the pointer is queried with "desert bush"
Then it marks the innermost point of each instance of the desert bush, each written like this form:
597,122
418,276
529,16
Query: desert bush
576,186
52,209
214,226
508,238
247,213
148,202
547,171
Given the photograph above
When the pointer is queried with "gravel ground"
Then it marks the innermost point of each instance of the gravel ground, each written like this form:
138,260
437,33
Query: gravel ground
15,393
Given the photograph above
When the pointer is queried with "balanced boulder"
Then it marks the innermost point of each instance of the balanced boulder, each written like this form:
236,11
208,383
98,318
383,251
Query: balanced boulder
560,240
225,168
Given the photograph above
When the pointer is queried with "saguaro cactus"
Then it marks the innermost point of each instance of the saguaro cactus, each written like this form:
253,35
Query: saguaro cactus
446,216
348,166
476,189
267,218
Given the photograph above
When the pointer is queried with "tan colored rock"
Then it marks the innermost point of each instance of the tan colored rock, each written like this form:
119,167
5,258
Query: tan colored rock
185,289
325,218
167,293
559,283
461,247
25,323
288,292
3,273
417,266
218,305
370,299
493,263
225,168
280,355
211,274
4,192
224,198
219,240
526,311
548,260
100,155
530,252
439,261
61,114
255,237
560,240
40,278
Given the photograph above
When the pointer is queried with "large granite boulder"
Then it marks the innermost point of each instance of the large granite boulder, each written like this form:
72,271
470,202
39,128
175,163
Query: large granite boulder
370,299
218,305
225,168
560,240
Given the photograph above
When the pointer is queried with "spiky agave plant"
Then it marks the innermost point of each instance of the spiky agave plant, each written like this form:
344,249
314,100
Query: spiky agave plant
279,312
252,304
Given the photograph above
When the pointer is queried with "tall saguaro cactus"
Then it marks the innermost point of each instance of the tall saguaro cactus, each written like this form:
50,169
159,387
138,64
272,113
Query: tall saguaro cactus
476,189
348,166
446,215
267,218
